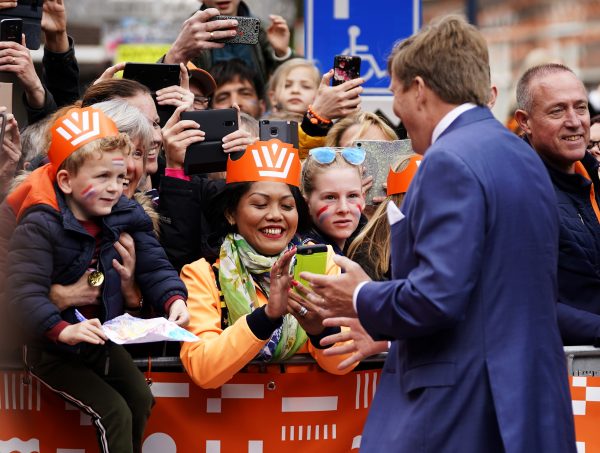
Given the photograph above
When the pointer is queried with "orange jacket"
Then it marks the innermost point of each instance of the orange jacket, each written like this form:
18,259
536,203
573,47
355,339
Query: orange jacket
220,354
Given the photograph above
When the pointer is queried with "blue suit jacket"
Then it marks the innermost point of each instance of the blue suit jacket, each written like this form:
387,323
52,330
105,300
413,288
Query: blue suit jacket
477,364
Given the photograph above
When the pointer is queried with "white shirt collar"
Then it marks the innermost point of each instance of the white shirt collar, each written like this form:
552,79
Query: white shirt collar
449,118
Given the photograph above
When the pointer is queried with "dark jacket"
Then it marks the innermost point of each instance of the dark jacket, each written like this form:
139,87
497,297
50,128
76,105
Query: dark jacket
264,62
60,80
50,246
579,254
185,232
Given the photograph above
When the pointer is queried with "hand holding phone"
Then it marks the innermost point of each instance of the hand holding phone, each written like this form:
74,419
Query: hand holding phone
155,76
208,156
345,67
247,30
310,258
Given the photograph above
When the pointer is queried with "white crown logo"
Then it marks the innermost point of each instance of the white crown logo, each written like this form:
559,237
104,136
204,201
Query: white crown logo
80,129
279,154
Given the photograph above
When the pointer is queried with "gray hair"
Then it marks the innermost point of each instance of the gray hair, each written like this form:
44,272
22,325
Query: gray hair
524,96
129,120
34,141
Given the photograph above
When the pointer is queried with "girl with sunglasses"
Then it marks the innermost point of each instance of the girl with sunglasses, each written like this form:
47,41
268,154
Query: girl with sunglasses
332,188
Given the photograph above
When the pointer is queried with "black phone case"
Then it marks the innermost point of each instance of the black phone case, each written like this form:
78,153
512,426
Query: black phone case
154,75
208,156
247,30
31,13
286,131
345,67
11,30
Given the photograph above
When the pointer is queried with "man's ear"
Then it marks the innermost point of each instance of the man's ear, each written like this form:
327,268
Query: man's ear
522,118
419,85
64,181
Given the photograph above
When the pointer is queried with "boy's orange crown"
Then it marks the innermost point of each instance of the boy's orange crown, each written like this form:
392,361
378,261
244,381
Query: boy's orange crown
78,127
266,161
399,182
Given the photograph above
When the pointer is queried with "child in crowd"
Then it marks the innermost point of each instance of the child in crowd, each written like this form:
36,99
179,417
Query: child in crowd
293,86
332,188
70,213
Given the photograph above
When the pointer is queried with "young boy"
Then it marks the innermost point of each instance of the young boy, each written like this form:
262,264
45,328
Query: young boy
68,223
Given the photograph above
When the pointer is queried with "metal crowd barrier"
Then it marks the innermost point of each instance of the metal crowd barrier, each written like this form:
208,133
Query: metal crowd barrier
581,361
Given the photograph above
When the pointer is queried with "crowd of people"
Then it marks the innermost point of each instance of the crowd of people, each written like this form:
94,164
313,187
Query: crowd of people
481,262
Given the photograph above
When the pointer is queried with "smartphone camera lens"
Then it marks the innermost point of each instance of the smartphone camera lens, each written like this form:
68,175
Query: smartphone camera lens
273,132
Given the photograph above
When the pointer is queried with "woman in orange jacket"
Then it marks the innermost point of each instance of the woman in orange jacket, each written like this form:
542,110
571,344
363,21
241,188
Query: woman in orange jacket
239,307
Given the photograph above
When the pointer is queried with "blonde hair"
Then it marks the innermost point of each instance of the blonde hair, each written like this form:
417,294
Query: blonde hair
374,239
96,148
311,169
277,80
451,56
365,120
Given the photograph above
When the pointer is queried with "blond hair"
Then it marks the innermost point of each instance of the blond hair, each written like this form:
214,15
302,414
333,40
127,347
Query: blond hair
311,169
451,56
373,241
365,120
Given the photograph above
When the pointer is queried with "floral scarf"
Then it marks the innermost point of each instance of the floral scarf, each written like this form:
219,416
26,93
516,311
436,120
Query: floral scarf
239,266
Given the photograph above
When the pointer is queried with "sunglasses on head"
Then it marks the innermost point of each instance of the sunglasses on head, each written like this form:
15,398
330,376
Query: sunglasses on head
326,155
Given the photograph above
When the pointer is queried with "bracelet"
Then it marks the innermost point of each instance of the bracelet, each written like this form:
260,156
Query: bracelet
314,117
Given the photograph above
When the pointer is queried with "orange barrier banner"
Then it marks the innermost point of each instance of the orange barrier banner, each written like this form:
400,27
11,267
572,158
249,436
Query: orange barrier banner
585,393
254,413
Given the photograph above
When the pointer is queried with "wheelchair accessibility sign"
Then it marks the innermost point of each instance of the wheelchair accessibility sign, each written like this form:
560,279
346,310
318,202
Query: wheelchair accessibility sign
359,28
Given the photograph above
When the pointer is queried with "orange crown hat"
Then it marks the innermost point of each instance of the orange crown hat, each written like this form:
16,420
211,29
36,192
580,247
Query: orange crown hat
78,127
399,182
266,161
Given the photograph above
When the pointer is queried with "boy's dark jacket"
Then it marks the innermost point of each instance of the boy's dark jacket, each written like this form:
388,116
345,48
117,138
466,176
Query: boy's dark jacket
50,246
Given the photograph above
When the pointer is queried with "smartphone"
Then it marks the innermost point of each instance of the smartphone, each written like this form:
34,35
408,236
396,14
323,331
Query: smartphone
310,258
29,12
345,67
155,76
11,30
286,131
380,155
208,156
247,30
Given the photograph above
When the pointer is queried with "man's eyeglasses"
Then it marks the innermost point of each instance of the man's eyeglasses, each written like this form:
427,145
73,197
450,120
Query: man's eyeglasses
593,144
326,155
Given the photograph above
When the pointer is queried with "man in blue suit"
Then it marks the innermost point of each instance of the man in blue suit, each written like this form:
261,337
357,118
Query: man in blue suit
476,363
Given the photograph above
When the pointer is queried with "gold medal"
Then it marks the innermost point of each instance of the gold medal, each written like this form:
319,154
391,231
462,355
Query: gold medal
96,278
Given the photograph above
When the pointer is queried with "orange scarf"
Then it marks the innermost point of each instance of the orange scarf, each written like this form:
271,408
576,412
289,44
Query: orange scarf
580,169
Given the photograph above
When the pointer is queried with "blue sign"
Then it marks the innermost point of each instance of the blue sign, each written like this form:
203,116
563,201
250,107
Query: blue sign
360,28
